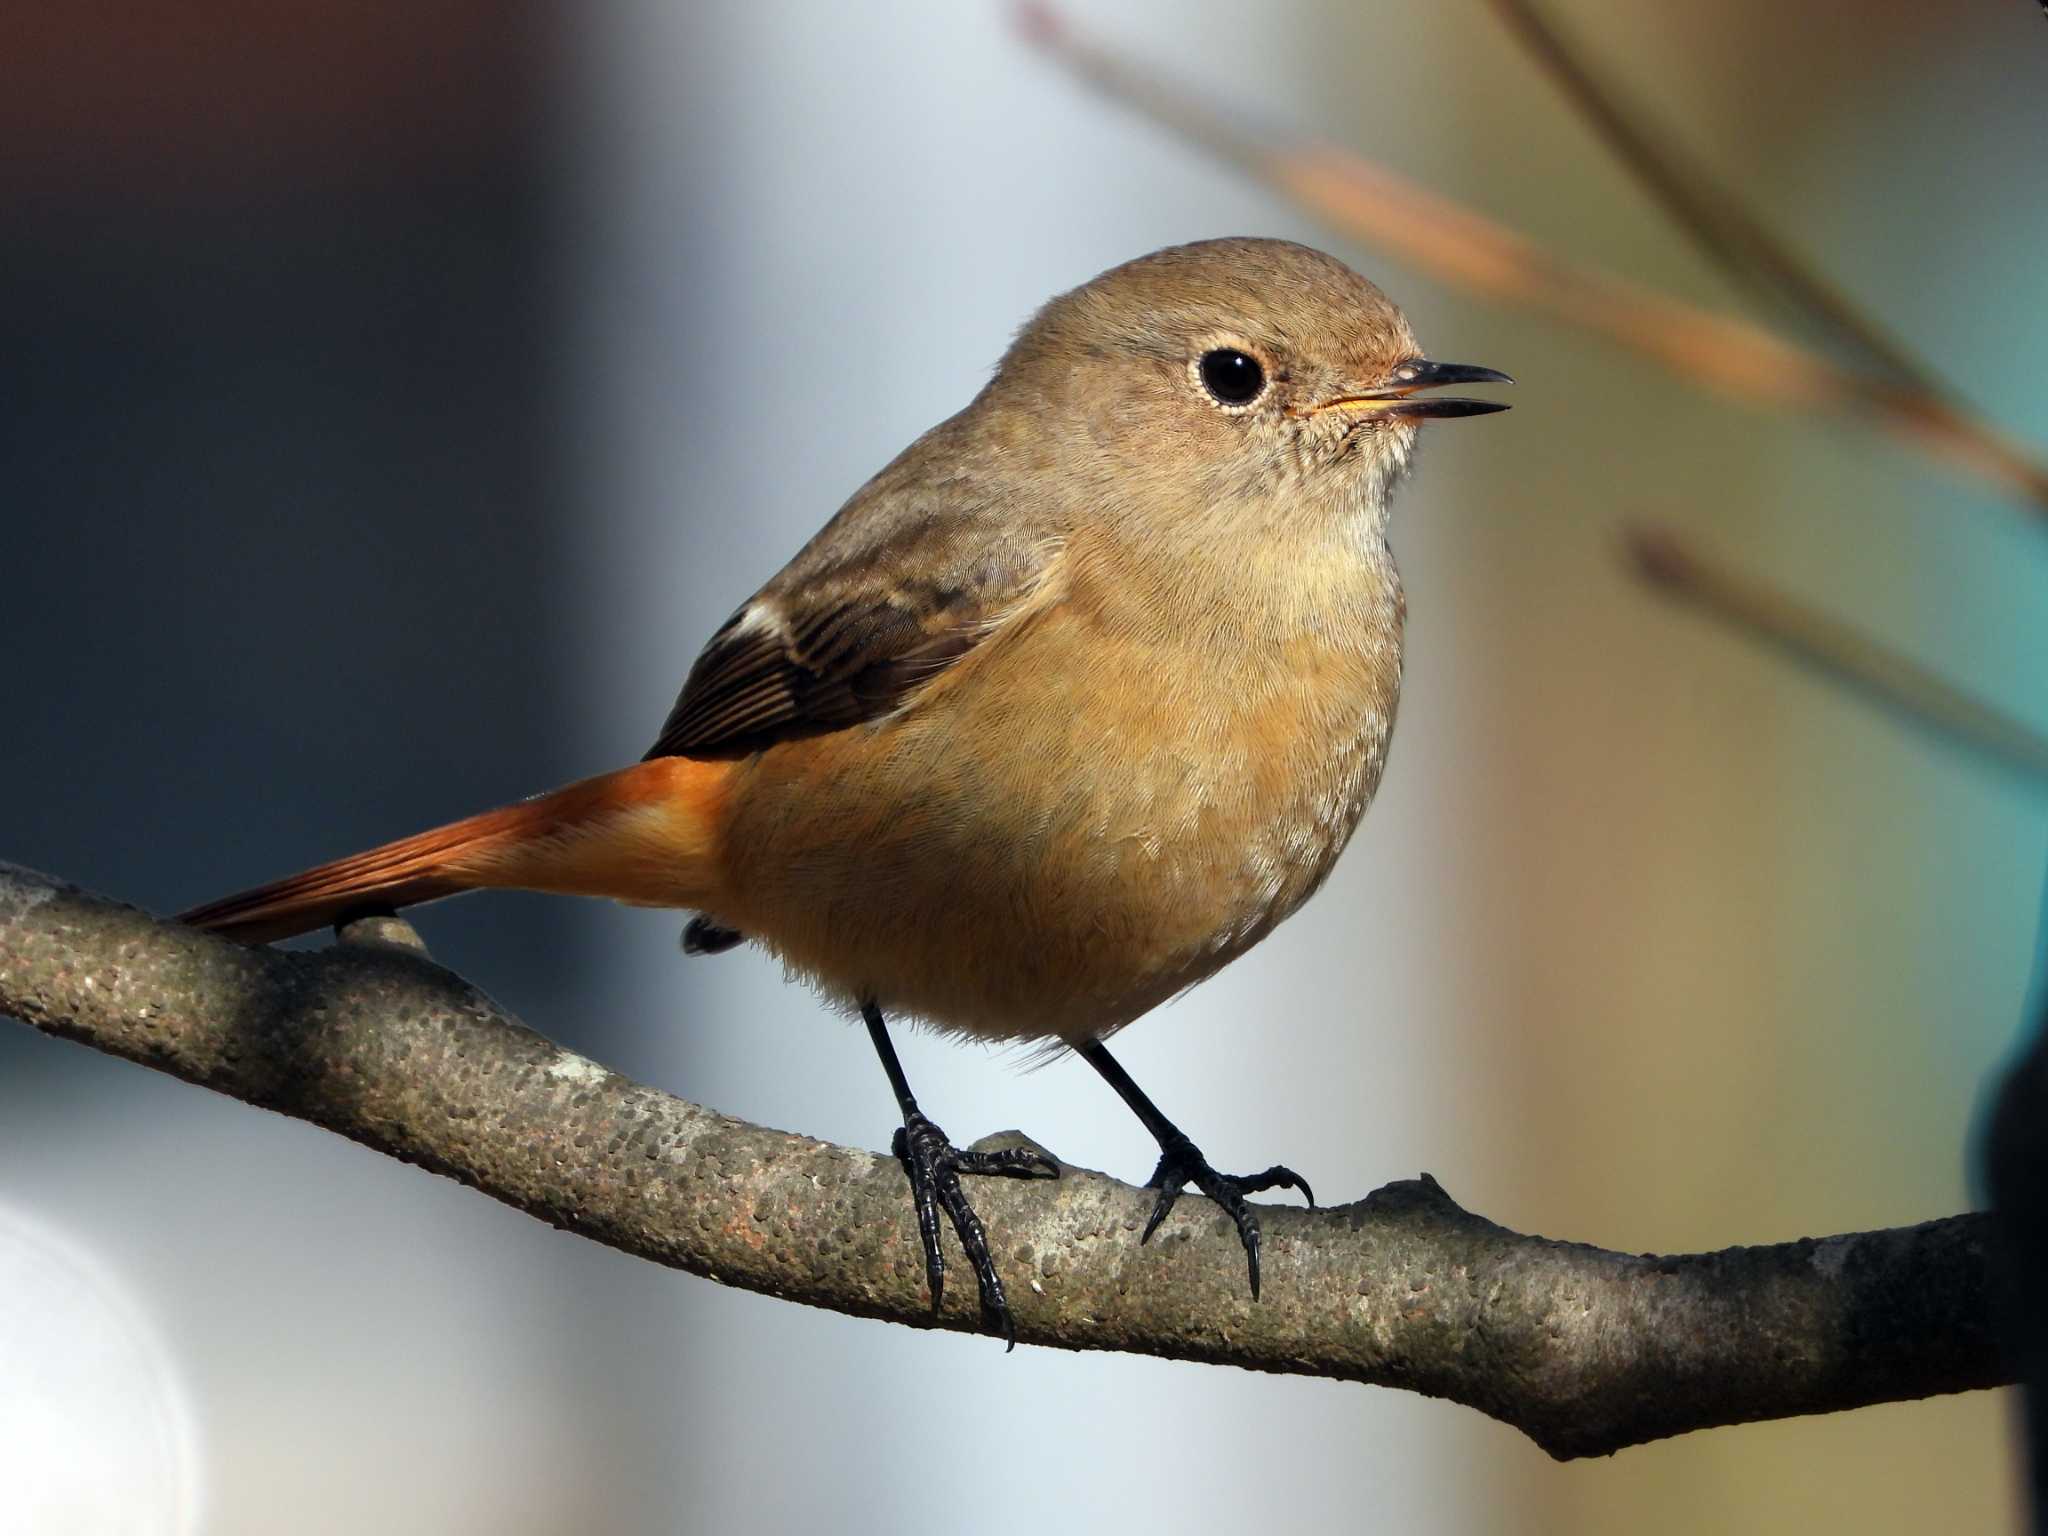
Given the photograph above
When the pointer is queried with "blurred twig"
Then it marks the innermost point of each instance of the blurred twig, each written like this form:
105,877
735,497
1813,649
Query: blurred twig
1841,653
1720,224
1458,246
1586,1351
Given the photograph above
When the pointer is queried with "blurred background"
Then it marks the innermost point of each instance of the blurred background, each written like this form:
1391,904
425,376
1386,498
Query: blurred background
395,400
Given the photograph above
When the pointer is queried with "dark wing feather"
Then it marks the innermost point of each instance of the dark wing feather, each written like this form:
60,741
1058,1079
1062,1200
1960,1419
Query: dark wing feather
913,573
762,683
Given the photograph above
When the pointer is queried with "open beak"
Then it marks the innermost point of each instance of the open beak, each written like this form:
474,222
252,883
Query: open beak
1400,395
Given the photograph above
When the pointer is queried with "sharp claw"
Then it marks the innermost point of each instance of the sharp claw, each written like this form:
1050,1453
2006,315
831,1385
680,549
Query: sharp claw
934,1254
1015,1163
1160,1209
1279,1176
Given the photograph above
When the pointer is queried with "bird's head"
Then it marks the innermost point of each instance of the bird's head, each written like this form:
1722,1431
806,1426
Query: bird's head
1206,378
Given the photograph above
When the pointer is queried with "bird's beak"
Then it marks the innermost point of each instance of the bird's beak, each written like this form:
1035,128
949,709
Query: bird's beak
1399,395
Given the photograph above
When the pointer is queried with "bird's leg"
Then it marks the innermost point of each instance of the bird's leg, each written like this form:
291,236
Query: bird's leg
935,1165
1181,1162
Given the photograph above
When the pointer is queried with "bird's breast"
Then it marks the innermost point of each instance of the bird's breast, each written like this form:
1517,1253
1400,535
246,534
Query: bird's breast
1082,818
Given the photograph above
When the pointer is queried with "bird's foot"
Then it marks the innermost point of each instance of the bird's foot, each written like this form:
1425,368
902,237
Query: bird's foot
1181,1163
935,1165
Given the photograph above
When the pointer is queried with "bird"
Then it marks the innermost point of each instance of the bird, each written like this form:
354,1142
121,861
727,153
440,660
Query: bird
1064,710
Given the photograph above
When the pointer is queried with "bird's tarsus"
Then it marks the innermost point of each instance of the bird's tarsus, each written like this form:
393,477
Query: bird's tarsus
935,1165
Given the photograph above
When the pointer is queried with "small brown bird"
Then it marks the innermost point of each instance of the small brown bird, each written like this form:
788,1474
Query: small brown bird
1060,714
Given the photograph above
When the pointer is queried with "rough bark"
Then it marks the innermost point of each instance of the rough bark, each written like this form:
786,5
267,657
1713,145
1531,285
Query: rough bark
1584,1350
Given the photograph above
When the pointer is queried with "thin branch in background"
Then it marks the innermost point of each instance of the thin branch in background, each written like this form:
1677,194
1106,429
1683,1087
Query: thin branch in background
1715,219
1452,243
1584,1350
1836,650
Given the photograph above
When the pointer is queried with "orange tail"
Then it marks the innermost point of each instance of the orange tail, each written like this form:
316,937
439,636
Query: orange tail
646,834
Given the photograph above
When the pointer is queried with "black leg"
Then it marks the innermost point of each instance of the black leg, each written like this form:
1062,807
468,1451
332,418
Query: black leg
1181,1162
935,1165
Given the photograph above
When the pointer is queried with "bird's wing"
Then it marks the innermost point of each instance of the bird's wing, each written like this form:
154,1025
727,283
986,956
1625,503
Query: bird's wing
908,578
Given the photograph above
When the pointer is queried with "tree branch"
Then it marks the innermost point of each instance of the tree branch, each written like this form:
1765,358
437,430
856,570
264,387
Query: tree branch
1584,1350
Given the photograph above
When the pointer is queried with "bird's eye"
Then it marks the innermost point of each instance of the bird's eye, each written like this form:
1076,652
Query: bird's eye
1233,377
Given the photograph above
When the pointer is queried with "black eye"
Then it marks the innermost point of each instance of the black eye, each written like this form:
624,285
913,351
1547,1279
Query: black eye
1231,376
